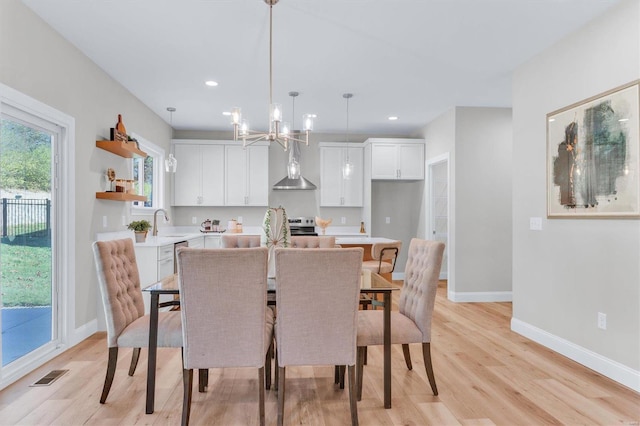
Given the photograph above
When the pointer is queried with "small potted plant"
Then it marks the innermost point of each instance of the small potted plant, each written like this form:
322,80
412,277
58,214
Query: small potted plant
140,227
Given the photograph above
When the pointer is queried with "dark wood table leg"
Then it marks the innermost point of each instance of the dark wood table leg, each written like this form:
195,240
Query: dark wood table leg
387,349
153,346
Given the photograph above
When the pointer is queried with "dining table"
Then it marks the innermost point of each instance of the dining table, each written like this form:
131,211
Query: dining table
371,283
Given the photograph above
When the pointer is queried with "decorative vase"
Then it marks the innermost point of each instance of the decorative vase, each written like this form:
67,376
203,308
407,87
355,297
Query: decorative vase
141,236
275,233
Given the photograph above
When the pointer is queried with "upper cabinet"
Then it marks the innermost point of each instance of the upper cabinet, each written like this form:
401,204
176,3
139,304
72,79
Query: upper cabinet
246,175
335,189
199,178
397,159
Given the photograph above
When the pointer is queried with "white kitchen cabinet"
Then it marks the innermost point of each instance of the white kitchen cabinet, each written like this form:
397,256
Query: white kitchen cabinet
212,241
199,177
246,175
154,263
196,242
397,159
335,190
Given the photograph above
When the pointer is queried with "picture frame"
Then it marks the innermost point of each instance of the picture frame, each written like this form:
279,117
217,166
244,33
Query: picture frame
593,156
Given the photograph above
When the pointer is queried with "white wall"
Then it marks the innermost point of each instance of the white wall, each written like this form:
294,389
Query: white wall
478,141
572,269
38,62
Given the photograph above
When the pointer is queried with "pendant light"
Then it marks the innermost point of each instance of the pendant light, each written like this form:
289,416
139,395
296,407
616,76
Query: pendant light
347,168
171,164
293,167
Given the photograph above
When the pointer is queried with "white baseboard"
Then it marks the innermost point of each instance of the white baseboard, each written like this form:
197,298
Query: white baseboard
612,369
480,296
82,332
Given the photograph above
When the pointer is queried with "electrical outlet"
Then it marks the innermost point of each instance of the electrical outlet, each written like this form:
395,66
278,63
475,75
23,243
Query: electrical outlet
343,220
104,221
602,321
535,223
387,220
240,219
194,220
124,220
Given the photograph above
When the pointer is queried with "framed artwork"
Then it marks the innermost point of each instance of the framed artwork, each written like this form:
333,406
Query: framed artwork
593,157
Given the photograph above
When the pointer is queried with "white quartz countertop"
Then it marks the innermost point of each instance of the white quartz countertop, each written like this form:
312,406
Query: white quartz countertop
362,240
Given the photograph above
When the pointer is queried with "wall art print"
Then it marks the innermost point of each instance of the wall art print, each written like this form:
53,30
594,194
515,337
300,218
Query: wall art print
593,156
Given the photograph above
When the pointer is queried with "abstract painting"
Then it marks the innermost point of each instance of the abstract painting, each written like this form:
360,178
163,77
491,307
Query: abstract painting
593,156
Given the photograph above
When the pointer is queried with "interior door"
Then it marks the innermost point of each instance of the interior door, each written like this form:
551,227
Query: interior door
439,209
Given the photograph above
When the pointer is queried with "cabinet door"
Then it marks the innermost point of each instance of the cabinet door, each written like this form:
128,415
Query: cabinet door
258,176
353,188
331,162
411,161
384,161
212,158
187,180
236,175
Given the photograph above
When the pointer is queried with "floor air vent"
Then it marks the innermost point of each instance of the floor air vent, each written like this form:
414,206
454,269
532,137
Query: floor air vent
51,377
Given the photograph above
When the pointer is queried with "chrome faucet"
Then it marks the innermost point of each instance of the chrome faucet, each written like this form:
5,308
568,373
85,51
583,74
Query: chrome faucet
155,220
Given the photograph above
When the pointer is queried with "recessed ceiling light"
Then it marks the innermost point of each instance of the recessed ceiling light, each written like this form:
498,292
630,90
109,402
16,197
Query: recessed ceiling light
393,118
623,119
211,83
551,120
226,113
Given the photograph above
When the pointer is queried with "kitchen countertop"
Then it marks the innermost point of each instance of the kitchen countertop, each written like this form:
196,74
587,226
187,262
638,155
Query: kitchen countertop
362,240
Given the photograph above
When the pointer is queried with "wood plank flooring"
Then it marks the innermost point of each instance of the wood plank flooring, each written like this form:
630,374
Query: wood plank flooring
486,375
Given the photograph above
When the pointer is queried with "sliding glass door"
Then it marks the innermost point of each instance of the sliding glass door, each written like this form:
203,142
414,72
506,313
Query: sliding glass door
28,288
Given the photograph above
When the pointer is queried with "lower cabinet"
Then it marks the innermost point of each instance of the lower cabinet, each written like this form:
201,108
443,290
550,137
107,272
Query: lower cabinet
212,241
154,263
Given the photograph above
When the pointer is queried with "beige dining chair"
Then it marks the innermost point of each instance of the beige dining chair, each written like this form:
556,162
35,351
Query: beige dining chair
312,241
412,322
225,318
239,241
317,294
127,325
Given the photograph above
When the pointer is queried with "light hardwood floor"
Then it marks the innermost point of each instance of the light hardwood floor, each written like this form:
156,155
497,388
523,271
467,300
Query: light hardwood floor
485,373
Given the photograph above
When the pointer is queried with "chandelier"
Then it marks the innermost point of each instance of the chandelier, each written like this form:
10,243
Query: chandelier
279,131
347,168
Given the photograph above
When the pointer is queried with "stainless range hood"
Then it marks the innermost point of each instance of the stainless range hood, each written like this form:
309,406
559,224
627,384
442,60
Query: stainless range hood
294,180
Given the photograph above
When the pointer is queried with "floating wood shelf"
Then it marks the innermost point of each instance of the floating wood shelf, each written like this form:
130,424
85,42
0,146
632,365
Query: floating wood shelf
123,149
120,196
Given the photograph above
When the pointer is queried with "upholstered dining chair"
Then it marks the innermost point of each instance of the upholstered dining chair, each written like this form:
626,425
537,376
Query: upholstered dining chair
412,322
127,325
312,241
317,294
239,241
225,318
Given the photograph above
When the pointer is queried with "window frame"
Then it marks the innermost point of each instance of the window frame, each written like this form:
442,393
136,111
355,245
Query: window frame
158,154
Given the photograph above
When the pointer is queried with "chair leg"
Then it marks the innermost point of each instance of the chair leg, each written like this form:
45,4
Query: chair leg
281,375
359,370
342,371
426,355
267,365
111,371
336,374
353,404
365,355
134,361
187,382
407,356
203,379
276,379
261,379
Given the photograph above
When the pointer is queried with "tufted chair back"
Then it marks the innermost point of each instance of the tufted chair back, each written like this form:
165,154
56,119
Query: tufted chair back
119,283
240,241
422,272
301,241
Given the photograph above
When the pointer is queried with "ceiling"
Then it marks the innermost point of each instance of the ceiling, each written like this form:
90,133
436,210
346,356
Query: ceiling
411,58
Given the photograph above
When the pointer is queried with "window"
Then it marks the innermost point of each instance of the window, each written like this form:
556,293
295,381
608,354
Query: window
148,175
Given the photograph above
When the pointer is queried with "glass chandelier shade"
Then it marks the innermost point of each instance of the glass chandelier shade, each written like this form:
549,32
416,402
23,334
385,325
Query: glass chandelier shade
347,167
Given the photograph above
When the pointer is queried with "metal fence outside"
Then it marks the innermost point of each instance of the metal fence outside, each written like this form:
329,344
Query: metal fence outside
22,216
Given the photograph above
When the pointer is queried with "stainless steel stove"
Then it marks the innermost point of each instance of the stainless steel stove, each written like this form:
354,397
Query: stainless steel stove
303,226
